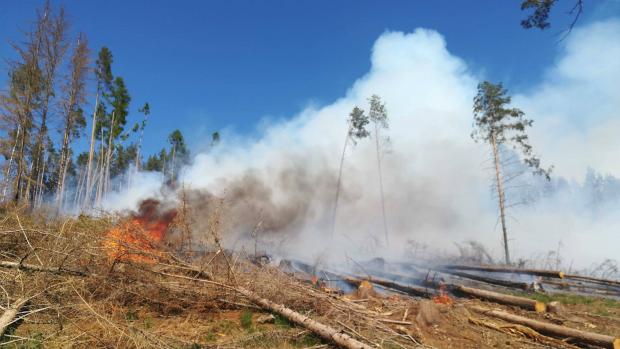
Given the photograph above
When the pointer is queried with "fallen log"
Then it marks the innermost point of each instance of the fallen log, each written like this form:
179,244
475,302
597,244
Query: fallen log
584,287
488,280
501,298
409,289
8,317
599,281
553,330
502,269
419,291
324,331
39,268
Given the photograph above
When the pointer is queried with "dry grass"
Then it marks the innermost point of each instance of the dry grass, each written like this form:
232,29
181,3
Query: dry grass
89,297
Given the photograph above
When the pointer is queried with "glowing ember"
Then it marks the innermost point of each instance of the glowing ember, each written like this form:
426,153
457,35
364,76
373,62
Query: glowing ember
137,239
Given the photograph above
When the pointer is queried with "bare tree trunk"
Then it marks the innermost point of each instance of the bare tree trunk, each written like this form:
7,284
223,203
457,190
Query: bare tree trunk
499,269
501,298
36,164
553,330
385,228
174,152
100,171
21,154
91,153
39,198
109,152
97,183
501,197
8,169
63,180
62,167
338,184
140,143
163,169
80,187
328,333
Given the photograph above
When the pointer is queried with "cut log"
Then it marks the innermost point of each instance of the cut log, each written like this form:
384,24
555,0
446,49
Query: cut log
553,330
607,282
324,331
501,298
503,269
488,280
8,317
409,289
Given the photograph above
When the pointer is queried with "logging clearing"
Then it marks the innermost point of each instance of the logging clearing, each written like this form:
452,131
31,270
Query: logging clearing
108,282
451,215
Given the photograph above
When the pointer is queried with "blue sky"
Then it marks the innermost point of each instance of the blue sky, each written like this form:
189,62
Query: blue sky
210,65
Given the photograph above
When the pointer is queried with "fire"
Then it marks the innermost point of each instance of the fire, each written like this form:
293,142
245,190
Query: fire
443,297
138,239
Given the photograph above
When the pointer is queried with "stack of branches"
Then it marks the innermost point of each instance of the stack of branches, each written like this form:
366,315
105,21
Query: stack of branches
60,282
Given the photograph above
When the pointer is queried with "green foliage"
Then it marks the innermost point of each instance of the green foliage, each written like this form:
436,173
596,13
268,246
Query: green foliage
572,299
597,305
154,163
378,112
245,319
495,122
281,321
357,125
170,161
178,148
104,69
115,95
307,341
125,156
146,109
540,17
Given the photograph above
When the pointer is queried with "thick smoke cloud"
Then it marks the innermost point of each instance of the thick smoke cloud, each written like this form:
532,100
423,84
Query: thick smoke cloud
437,180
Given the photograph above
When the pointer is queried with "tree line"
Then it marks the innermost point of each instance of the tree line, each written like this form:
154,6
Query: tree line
43,113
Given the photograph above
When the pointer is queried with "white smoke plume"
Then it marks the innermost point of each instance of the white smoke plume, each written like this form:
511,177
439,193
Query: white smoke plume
437,180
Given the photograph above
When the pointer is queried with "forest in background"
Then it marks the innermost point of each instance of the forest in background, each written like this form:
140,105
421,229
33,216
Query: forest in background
59,90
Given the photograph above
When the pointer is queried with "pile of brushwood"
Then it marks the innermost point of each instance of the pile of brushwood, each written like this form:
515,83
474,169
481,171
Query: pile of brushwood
68,282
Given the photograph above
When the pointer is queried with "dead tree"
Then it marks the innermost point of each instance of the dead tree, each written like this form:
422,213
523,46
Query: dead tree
54,47
91,152
23,100
74,121
497,125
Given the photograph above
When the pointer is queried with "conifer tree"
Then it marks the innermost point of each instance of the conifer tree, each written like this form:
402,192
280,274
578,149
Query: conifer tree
356,130
497,124
378,116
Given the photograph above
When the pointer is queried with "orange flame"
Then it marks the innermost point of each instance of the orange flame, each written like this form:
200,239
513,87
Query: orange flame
443,297
139,238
